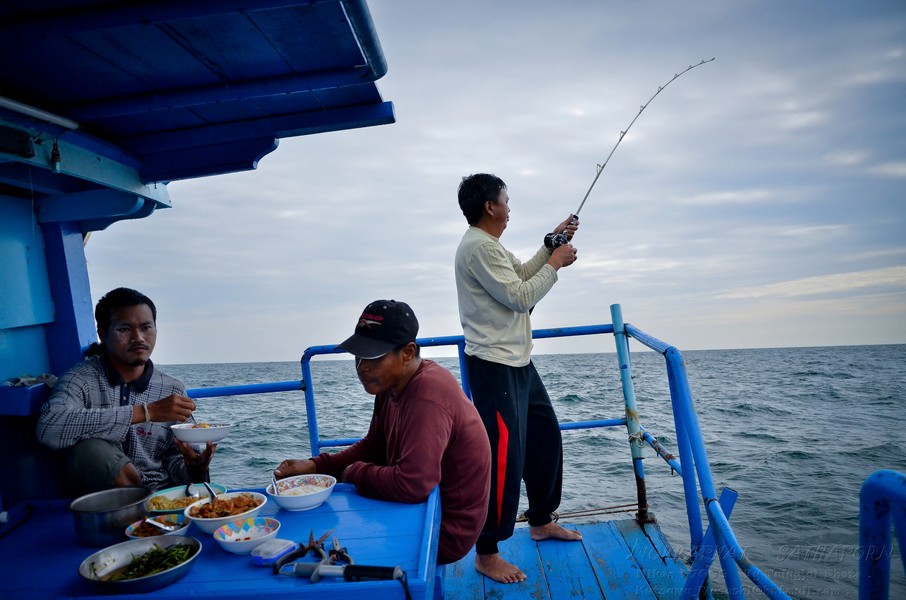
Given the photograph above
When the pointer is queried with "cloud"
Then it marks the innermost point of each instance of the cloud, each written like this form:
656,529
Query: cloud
896,170
838,283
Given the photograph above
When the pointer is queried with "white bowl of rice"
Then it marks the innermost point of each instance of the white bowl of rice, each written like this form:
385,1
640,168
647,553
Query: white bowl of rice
302,492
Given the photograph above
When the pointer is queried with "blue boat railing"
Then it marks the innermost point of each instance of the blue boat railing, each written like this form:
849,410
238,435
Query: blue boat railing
692,465
882,500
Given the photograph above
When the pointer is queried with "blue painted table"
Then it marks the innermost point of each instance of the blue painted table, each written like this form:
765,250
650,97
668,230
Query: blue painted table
40,558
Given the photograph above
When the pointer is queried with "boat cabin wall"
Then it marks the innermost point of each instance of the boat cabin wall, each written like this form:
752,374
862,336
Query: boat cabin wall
46,323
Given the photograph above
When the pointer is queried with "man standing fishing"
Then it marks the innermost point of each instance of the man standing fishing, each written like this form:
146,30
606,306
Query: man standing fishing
496,293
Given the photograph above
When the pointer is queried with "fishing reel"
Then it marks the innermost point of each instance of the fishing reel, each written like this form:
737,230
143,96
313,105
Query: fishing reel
553,241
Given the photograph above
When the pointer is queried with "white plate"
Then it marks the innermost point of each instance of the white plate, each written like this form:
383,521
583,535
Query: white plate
193,434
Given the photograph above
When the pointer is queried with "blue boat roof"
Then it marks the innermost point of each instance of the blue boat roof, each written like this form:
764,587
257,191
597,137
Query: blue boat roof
180,89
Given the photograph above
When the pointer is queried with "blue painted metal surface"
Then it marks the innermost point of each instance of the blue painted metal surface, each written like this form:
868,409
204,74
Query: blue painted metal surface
727,543
214,85
238,390
705,555
882,504
374,532
633,425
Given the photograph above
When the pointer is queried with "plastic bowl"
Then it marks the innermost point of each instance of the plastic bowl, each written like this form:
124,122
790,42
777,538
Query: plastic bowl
242,536
210,525
193,434
302,492
104,562
179,493
100,518
140,529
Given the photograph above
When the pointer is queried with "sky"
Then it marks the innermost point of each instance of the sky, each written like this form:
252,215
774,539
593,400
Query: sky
758,201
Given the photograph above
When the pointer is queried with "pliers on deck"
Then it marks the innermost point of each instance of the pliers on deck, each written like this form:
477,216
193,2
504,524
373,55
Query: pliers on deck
317,546
339,554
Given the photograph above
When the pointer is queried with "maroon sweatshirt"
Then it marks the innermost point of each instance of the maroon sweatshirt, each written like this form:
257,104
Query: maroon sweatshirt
428,435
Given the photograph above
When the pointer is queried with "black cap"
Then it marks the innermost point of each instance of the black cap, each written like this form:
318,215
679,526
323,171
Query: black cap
383,326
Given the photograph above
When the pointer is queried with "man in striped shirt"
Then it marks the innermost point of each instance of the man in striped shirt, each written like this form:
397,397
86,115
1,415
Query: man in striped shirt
110,414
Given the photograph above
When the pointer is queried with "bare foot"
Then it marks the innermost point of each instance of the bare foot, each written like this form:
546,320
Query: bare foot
552,531
493,566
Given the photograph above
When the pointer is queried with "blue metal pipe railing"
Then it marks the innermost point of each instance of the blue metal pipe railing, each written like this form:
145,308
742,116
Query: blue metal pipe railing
251,388
727,543
632,415
690,445
883,496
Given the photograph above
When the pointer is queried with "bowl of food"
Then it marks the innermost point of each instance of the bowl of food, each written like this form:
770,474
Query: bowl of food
242,536
302,492
174,500
174,524
141,565
101,517
200,433
210,514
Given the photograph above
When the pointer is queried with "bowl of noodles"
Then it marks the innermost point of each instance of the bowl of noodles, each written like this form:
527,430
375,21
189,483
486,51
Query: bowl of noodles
200,433
173,501
210,514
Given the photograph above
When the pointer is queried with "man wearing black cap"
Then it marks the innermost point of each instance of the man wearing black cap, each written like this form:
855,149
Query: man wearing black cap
424,431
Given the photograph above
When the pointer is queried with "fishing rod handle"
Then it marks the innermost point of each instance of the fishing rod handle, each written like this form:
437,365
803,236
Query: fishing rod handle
365,572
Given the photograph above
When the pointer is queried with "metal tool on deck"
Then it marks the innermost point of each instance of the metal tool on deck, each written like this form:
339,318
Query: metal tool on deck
336,562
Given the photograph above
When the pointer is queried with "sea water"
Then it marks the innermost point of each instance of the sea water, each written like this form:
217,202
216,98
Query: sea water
795,431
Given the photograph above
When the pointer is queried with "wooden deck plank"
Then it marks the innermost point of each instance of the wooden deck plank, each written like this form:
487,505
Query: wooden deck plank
461,580
522,551
615,560
567,568
660,568
619,574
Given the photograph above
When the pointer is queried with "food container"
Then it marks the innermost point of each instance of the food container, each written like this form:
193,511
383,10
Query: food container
271,550
101,518
100,565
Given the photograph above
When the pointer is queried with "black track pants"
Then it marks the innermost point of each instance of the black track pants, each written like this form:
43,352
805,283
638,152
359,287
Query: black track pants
525,446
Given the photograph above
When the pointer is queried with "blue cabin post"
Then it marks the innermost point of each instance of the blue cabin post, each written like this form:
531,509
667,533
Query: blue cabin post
44,332
633,426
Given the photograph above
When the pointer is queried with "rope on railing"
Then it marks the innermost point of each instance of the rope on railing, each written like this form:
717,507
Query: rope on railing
586,512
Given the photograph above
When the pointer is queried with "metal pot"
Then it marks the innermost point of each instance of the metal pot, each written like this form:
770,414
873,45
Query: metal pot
101,518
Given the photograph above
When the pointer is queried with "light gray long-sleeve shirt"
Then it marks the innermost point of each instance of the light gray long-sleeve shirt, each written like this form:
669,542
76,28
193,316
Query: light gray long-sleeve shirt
496,292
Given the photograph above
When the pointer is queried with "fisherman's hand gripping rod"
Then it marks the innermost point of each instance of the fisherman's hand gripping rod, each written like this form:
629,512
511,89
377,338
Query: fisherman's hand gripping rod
554,240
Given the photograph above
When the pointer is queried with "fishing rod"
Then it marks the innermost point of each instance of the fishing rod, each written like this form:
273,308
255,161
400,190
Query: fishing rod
553,240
